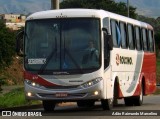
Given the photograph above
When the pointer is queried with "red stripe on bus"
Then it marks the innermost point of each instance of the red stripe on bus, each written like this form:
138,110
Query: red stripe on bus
149,72
37,79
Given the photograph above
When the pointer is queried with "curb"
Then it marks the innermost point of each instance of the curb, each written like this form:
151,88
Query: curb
22,107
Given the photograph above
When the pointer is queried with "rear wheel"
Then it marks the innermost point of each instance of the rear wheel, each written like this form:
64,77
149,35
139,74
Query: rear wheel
48,105
128,101
138,100
135,100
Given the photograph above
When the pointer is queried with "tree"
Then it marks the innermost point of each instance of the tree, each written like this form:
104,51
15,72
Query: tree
108,5
7,46
157,42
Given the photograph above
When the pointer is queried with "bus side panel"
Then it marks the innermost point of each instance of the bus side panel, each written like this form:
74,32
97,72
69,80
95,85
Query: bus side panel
127,72
149,72
108,83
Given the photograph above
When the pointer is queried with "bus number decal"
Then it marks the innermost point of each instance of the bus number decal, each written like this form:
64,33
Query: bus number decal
37,61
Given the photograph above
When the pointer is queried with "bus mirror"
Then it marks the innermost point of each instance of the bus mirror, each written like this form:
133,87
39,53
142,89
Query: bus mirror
19,43
105,30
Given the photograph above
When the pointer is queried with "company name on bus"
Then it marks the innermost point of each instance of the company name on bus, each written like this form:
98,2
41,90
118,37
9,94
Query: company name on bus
123,60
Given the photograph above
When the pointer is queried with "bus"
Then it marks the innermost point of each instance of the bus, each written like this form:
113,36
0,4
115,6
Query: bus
87,55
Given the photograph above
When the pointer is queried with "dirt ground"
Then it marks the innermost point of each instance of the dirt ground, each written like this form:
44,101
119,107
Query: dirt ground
13,75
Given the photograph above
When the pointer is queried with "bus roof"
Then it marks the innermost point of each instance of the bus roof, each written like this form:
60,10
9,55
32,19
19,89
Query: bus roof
81,13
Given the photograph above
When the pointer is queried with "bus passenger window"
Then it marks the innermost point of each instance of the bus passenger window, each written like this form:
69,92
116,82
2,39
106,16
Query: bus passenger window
130,37
114,33
150,36
144,36
138,38
123,35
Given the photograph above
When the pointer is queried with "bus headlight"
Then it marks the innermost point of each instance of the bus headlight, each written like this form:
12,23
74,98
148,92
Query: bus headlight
91,83
32,83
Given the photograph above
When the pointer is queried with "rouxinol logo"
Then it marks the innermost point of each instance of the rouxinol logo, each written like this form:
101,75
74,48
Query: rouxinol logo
123,60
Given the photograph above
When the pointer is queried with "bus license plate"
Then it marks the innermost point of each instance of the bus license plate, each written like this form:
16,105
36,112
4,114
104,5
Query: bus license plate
61,94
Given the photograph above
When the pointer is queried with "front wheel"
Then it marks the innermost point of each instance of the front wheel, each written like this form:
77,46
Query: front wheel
107,104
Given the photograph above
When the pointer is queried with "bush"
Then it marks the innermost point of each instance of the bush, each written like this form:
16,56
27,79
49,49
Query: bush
157,42
7,47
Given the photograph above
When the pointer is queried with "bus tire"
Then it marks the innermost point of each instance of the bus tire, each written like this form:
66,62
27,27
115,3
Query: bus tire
107,104
138,100
48,105
128,101
84,103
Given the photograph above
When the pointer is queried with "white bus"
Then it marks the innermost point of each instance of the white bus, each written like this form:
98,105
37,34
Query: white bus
86,55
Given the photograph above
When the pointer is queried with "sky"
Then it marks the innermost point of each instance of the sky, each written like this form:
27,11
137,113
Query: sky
150,8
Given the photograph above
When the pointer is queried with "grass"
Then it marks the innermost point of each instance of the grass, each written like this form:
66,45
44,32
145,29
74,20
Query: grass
15,98
157,92
158,70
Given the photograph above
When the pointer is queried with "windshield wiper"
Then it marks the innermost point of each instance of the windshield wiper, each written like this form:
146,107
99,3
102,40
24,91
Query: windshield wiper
73,60
43,67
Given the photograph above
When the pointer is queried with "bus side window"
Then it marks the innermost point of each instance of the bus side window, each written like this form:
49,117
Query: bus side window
114,33
131,42
150,37
138,38
123,35
144,37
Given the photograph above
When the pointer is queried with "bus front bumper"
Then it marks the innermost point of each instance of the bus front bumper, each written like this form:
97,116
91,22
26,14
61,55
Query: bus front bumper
79,93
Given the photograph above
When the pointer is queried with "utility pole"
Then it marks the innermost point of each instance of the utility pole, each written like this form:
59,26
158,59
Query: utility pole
54,4
128,7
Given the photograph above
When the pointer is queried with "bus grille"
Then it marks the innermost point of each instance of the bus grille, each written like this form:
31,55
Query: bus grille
61,87
73,95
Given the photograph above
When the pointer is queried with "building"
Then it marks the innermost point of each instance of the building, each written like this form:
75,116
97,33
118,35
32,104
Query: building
13,18
13,21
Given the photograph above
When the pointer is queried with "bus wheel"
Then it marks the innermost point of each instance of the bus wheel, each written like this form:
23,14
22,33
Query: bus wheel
48,105
128,101
138,100
107,104
84,103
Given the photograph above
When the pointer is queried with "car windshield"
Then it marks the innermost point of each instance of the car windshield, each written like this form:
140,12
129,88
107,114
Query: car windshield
62,45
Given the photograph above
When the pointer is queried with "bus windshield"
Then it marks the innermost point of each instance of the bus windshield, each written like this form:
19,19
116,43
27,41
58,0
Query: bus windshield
62,45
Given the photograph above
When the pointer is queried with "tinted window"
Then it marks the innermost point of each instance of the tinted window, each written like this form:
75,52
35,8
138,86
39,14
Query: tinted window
56,45
138,38
123,35
130,37
115,33
151,44
144,37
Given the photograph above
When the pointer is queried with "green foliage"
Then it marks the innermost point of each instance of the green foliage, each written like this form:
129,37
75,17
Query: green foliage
152,21
15,98
157,42
109,5
158,70
2,80
7,46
